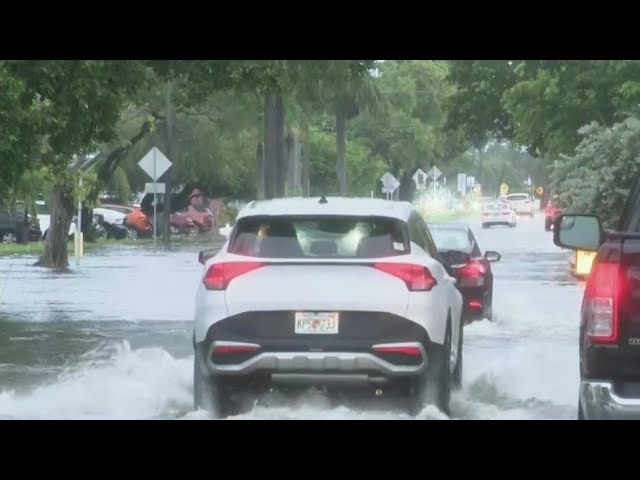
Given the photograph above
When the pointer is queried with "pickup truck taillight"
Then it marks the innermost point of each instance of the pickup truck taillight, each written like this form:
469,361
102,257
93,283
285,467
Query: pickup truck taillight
602,298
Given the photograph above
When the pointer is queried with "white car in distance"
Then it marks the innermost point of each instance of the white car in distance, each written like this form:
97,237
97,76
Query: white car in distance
498,213
521,203
325,291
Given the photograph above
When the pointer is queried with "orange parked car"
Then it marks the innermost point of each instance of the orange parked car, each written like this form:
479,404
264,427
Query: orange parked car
135,220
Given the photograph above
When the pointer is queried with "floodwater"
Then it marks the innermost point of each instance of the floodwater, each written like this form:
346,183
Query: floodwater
112,339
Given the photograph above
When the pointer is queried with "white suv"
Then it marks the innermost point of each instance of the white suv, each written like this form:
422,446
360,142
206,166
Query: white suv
321,290
521,203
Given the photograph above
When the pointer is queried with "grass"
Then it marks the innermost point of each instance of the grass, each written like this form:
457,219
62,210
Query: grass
35,248
31,248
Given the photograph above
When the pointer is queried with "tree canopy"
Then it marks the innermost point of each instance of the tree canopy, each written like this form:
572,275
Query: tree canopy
232,125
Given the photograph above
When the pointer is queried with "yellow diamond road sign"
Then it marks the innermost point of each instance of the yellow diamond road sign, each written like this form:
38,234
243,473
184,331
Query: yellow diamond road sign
539,190
504,188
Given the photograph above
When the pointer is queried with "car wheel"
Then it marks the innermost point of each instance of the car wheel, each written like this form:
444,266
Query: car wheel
488,305
207,392
580,411
457,372
9,237
433,386
132,234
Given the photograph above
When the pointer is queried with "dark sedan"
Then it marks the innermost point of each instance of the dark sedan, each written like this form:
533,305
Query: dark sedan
458,245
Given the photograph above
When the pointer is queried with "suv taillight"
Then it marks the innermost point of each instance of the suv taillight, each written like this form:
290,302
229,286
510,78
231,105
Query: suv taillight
416,277
602,295
220,275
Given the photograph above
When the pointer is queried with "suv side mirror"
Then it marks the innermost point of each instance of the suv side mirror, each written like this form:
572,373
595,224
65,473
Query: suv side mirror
205,255
578,232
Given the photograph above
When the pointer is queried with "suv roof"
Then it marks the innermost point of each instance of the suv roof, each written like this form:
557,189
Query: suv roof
362,207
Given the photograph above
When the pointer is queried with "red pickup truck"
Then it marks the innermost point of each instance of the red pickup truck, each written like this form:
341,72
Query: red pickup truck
551,212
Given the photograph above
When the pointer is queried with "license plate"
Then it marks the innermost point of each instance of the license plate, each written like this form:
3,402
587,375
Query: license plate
316,323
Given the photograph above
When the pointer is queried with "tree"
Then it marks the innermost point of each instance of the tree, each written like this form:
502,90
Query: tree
347,86
476,106
80,104
552,100
409,130
540,104
286,80
19,128
596,178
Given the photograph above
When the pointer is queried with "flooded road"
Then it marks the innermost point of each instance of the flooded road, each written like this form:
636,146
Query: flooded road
112,339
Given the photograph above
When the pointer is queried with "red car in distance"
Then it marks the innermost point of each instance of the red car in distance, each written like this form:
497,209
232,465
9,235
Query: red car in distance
552,211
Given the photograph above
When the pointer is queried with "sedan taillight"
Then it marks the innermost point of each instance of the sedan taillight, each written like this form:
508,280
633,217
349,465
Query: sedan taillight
471,275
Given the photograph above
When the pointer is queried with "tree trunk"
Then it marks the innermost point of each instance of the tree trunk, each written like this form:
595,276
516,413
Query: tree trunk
55,253
274,145
297,164
281,160
546,183
305,160
260,175
169,151
341,142
269,146
479,159
288,155
294,171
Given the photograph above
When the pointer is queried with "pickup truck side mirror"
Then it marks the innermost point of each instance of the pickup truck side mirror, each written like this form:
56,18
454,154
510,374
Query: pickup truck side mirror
578,232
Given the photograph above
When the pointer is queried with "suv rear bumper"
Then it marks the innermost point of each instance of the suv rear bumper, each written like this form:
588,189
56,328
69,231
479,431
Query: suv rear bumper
265,343
299,362
600,402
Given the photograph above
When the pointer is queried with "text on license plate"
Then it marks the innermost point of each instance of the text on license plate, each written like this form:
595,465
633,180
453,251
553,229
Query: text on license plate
323,323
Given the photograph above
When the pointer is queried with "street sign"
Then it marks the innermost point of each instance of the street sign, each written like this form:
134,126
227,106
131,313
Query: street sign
159,188
435,173
389,183
420,178
471,181
462,183
539,191
504,188
155,164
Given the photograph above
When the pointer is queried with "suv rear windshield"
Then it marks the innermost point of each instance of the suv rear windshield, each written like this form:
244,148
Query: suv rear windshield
319,237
